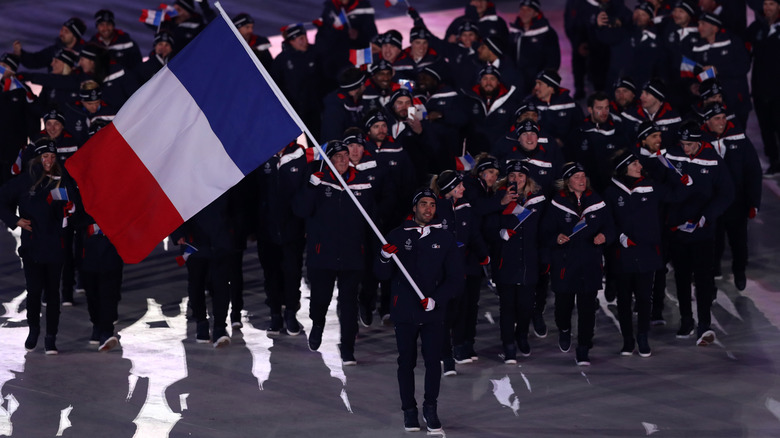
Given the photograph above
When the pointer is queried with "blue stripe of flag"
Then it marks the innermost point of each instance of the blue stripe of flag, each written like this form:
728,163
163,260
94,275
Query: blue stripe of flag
242,109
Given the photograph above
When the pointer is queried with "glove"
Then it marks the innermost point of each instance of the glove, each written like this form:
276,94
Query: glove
625,241
506,233
752,212
428,304
69,209
485,262
686,180
416,19
316,178
701,222
388,250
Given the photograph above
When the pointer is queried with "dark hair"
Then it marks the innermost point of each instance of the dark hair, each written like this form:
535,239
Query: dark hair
353,130
599,95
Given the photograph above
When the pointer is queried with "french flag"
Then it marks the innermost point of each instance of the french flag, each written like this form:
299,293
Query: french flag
688,227
59,194
184,138
94,230
189,250
11,83
706,74
155,17
686,67
389,3
579,226
521,213
16,169
340,20
465,163
360,57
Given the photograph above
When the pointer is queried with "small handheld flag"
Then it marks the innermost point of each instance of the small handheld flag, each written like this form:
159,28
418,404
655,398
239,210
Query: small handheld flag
706,74
688,227
389,3
188,251
16,169
686,67
12,84
94,230
361,56
522,213
154,17
59,194
340,20
579,226
668,164
465,163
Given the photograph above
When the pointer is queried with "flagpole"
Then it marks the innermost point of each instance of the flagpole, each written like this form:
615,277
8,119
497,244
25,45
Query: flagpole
299,122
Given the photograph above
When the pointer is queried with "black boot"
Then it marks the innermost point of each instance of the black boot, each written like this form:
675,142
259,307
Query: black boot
32,338
49,344
431,418
293,326
411,423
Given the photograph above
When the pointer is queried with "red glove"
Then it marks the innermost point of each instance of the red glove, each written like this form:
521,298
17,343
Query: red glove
316,178
486,261
388,250
68,209
684,179
428,304
752,213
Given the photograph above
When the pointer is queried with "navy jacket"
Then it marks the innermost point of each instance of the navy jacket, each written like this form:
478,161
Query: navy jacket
430,255
278,180
667,119
337,42
545,163
336,232
488,120
558,119
595,146
515,259
636,206
730,57
122,48
461,220
741,159
214,231
44,244
534,50
713,192
396,173
97,252
577,264
339,113
766,64
635,52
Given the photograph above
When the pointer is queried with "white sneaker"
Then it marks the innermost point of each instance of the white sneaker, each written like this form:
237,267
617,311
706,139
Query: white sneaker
223,341
706,338
109,344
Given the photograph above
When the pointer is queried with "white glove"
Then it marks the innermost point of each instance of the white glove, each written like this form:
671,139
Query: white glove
428,304
702,221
